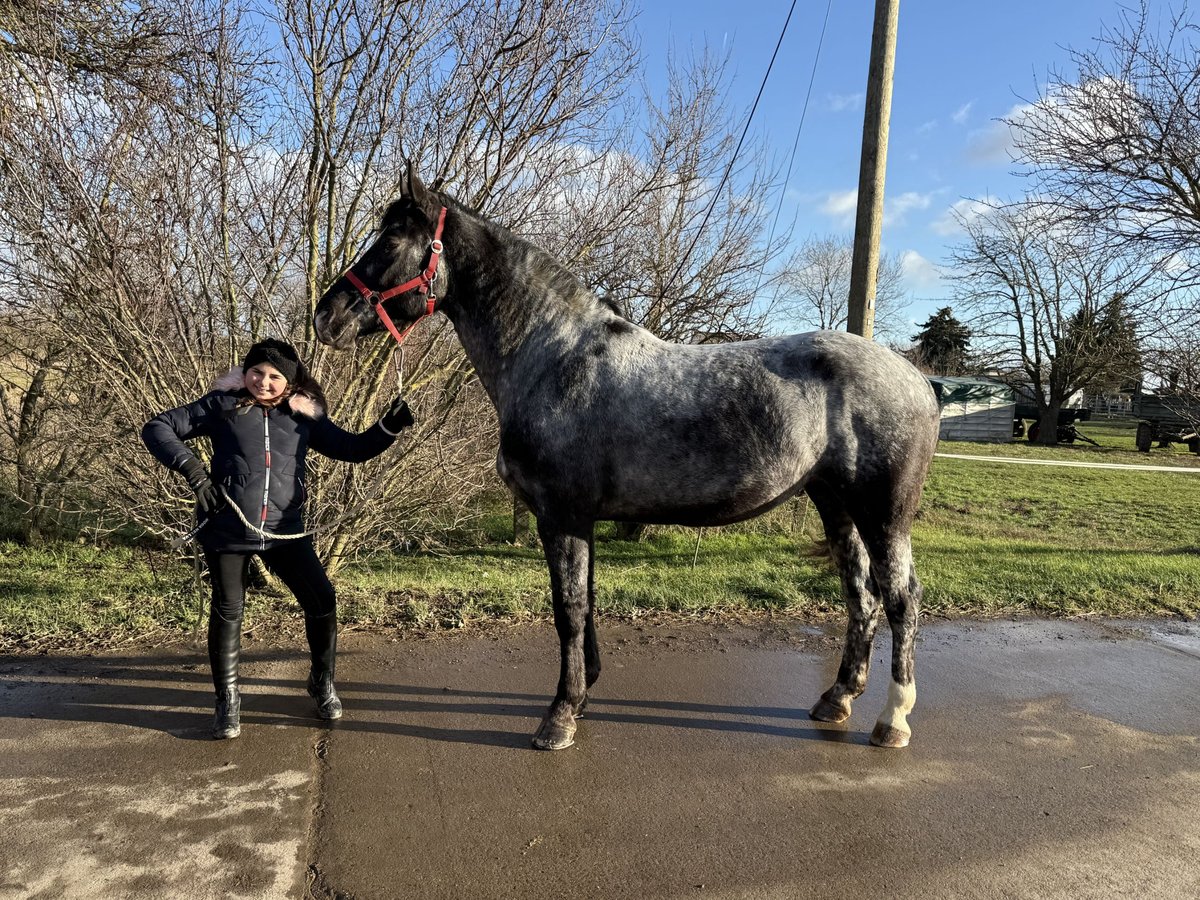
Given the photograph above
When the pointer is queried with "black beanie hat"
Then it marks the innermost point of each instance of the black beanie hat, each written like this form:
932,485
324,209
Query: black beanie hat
276,353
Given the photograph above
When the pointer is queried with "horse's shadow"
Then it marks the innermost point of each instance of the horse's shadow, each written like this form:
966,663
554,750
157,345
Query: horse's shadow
664,713
160,694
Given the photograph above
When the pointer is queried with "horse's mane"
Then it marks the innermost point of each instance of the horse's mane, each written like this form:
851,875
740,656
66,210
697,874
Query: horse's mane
565,282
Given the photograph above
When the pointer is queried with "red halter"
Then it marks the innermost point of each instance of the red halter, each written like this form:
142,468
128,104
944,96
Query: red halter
424,281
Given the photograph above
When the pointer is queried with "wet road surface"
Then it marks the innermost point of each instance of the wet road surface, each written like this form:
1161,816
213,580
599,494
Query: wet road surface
1049,759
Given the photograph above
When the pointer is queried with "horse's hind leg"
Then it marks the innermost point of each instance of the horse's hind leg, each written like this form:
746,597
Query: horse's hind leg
862,606
568,555
890,548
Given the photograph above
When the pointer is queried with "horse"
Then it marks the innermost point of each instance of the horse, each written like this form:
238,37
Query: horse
601,420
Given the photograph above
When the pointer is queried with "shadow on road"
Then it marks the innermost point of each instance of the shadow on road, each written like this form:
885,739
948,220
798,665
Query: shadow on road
172,694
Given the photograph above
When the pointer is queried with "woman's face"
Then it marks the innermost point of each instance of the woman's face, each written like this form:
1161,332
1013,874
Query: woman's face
265,382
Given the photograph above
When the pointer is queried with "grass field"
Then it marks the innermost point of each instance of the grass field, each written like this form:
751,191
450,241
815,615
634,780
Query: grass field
992,538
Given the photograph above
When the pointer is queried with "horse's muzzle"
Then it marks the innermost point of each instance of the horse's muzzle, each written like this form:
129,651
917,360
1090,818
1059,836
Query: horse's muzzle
337,330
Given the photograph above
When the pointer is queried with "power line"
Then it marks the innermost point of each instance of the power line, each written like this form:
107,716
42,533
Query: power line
795,143
733,159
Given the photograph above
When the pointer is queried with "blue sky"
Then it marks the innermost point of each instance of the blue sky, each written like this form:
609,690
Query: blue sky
959,67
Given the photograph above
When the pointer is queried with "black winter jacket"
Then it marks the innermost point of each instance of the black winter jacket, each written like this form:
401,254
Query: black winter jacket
258,457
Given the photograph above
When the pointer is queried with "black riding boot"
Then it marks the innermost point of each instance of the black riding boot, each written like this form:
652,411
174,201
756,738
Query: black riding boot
322,644
224,644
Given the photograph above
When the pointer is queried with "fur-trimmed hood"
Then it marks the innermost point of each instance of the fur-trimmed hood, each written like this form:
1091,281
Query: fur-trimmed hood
306,397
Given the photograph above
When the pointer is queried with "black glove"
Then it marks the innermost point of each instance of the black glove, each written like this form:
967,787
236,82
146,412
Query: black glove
208,495
396,417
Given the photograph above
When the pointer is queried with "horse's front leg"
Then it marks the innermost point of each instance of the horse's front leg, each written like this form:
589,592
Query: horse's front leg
569,557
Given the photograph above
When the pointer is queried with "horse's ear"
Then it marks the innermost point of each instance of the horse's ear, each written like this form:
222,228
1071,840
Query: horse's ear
413,187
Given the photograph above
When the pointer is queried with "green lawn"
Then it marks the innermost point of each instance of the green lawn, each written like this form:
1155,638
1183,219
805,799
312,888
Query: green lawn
992,538
1057,540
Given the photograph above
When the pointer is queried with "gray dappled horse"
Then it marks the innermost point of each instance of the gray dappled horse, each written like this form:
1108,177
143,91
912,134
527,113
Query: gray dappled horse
599,420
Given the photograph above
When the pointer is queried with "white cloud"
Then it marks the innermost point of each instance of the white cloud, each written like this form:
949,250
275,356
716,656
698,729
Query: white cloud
949,223
990,145
919,274
1067,108
841,206
927,126
896,208
1178,263
843,102
960,115
994,143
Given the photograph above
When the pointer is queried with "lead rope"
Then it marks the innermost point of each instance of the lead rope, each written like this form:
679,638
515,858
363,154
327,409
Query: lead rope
191,535
262,533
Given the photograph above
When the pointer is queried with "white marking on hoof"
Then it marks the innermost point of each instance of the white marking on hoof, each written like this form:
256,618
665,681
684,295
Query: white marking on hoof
901,700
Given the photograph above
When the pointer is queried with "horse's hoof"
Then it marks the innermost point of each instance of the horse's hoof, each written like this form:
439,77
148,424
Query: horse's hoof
554,736
582,707
889,736
828,711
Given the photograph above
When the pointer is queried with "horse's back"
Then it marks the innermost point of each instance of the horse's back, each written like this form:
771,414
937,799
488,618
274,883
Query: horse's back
844,380
868,377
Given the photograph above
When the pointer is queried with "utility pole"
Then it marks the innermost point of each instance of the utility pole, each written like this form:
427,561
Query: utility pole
864,267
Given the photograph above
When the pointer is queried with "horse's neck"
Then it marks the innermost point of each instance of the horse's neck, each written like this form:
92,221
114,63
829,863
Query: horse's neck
506,303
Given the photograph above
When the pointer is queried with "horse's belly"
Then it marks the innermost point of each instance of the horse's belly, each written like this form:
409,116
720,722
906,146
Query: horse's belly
707,515
678,471
667,504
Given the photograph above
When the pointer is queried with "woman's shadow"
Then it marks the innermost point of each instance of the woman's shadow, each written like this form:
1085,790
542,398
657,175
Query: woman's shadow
171,692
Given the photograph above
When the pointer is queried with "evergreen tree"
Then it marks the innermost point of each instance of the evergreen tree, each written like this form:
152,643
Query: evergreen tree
1106,338
942,343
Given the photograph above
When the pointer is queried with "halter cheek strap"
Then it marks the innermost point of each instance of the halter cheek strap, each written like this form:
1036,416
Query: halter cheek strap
424,281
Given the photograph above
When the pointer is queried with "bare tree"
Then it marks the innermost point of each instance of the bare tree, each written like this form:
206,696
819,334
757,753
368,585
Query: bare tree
137,45
693,259
662,225
814,288
1172,367
79,84
491,99
1116,143
30,378
1056,305
151,243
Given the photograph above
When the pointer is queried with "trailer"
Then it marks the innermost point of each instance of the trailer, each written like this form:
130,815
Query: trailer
1166,419
973,409
1067,417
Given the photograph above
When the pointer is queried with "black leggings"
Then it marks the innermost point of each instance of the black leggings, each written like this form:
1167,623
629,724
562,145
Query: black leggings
295,563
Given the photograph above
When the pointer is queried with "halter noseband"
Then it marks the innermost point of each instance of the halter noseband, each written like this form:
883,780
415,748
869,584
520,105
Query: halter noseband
424,281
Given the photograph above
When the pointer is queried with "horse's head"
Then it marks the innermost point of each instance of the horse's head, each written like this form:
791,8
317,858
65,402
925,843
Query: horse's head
394,271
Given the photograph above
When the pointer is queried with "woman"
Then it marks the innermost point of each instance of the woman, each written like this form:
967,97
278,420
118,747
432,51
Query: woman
262,418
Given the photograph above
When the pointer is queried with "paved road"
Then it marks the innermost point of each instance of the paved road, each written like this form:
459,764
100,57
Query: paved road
1049,759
